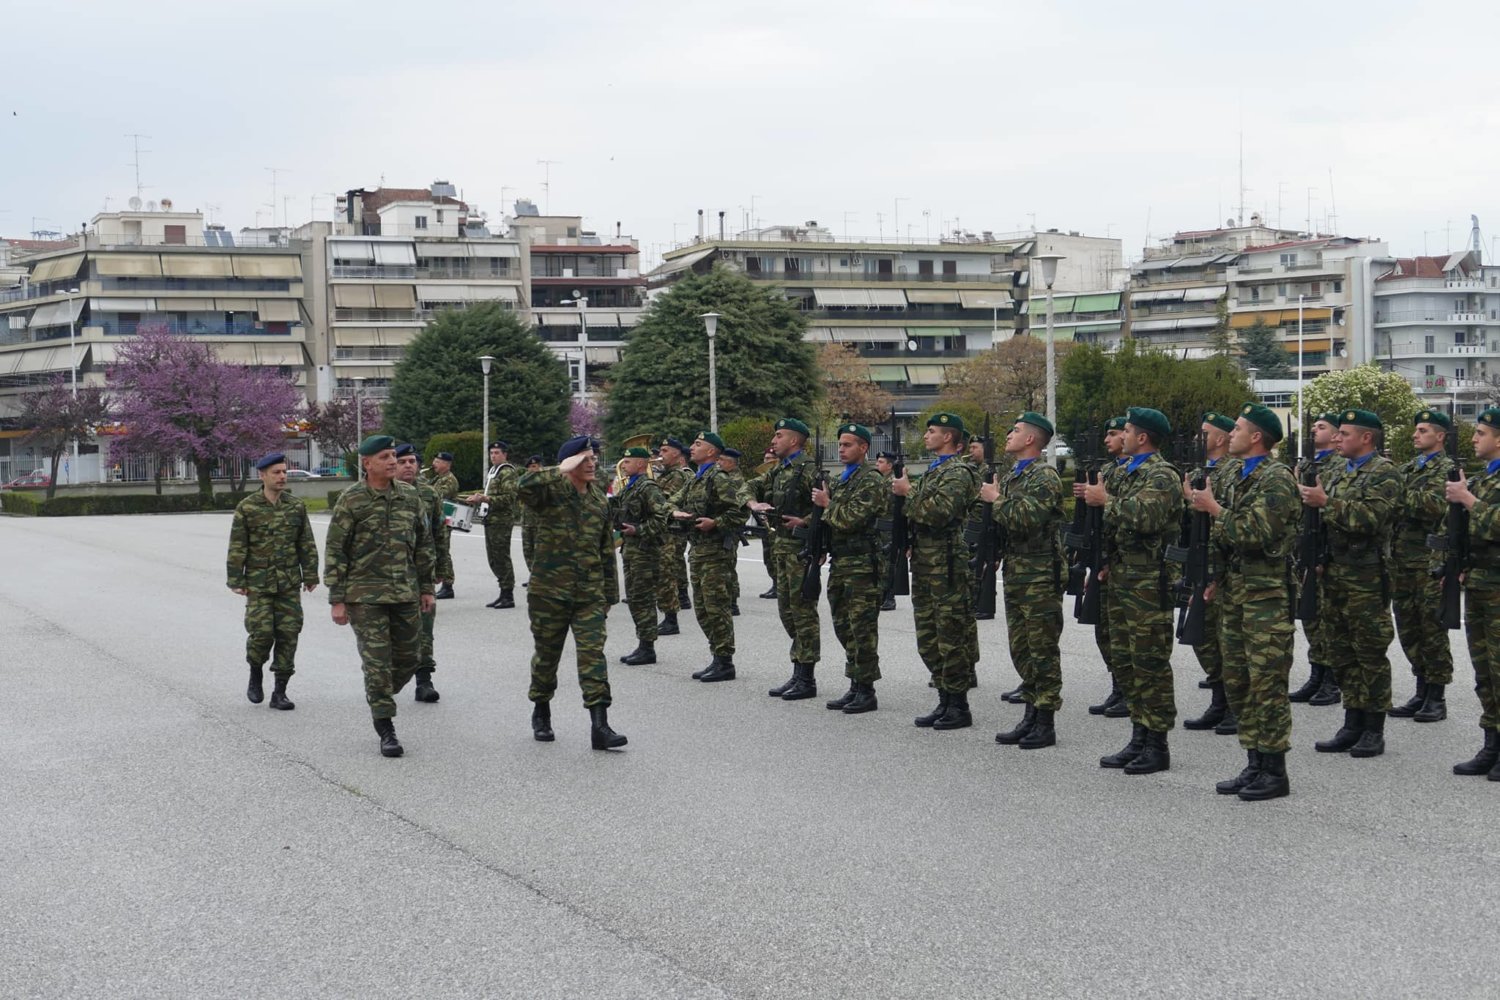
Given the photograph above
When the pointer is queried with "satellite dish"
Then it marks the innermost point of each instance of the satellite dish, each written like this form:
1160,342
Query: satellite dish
135,203
150,206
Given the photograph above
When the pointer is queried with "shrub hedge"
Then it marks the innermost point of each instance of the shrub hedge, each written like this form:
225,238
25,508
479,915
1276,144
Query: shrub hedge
37,505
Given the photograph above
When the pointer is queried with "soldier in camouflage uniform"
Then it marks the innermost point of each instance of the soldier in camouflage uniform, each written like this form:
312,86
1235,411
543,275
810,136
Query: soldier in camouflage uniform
1321,687
1481,497
1354,613
641,513
499,494
441,478
379,569
573,586
853,505
1416,597
936,504
671,588
1028,512
885,464
407,464
784,496
272,553
710,510
729,462
1222,472
1254,530
1113,706
529,519
1140,517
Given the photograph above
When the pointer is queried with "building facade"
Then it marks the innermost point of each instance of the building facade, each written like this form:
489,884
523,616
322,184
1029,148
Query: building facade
1437,323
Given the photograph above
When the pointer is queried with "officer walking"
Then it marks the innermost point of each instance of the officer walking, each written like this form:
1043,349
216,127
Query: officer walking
408,463
1222,470
641,512
272,552
709,510
499,498
1481,498
1321,687
442,479
784,496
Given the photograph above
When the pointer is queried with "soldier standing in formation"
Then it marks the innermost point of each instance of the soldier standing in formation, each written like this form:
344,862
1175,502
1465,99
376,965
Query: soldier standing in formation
729,462
1481,497
379,569
528,519
885,464
1113,706
936,505
641,512
272,553
441,478
572,587
784,496
765,539
1354,614
710,510
853,505
1416,597
499,496
1139,518
1027,506
671,594
408,463
1322,687
1222,472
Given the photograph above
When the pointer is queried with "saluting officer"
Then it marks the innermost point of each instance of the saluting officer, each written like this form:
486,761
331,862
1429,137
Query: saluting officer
1113,706
528,519
1322,687
641,512
1481,497
784,495
1222,470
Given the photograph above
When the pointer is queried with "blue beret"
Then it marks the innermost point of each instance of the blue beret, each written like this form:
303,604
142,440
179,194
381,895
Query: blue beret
502,445
731,453
671,442
573,446
402,450
275,458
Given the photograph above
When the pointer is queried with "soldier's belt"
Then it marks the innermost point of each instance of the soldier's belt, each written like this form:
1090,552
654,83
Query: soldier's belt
852,548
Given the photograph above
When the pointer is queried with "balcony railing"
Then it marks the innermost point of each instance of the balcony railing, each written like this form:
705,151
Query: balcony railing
1429,316
386,271
1001,280
376,316
191,328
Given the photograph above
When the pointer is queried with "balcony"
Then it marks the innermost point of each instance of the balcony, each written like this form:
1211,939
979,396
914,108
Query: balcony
1431,316
998,281
1463,283
1465,317
407,272
406,316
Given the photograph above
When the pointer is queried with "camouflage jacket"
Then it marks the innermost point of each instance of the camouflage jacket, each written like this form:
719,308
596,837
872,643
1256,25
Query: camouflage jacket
271,545
673,480
443,545
1423,510
642,504
500,487
855,507
712,494
1030,514
788,488
937,505
1361,511
1483,561
1143,513
380,546
1256,531
446,484
575,545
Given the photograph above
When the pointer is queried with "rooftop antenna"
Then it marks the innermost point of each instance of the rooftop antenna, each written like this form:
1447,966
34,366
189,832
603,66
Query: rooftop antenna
1241,216
880,226
1333,207
274,172
547,184
136,138
212,210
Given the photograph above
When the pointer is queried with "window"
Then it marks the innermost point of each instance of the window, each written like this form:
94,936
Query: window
1254,293
440,216
924,267
1459,336
176,235
421,222
752,265
950,267
1429,369
1430,344
1315,289
1281,289
1288,260
1460,372
572,231
1338,286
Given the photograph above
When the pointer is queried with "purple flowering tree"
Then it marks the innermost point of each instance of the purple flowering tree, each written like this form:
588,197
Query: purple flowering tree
55,418
586,418
176,398
336,426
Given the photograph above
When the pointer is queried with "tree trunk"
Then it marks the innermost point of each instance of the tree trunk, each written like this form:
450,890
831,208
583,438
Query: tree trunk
206,484
52,479
158,474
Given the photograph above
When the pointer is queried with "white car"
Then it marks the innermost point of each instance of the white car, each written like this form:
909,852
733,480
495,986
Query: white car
301,474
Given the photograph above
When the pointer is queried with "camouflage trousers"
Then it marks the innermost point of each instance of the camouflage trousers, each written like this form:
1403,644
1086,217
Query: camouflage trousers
552,617
1317,646
1256,638
1101,630
712,568
1355,621
389,637
798,617
1033,622
854,595
943,615
673,575
497,550
1483,629
1209,654
1140,640
1417,598
445,544
642,572
425,662
273,621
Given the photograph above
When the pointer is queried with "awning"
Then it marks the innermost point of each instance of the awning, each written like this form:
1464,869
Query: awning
840,298
569,318
934,296
936,331
986,300
185,265
888,373
128,265
681,263
282,355
395,254
444,250
359,251
925,374
1278,317
1097,328
1291,344
178,305
354,296
58,268
356,336
395,297
365,370
869,334
267,266
57,313
51,359
1163,295
116,305
1097,303
235,305
278,310
1160,264
9,360
1184,323
1210,294
602,355
486,250
818,333
453,292
886,298
1061,304
631,318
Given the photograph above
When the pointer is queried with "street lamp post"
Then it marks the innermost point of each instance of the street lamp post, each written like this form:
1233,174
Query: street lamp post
582,302
359,425
1301,406
485,361
1049,275
73,364
711,325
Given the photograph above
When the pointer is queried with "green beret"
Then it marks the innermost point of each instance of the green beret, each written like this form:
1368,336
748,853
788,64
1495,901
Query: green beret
375,444
1036,420
858,430
636,453
1114,424
1434,417
1490,417
1265,418
793,424
1147,419
1361,418
1330,417
947,421
709,437
1218,420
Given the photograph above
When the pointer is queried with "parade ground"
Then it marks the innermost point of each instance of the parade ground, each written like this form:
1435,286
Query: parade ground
166,838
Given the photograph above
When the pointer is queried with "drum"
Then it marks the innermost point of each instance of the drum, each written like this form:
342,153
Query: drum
458,516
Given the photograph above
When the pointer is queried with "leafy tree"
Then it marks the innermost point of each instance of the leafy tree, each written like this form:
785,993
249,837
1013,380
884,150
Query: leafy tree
175,397
850,393
763,365
336,426
470,456
1007,380
56,419
750,436
1219,336
1388,394
1259,349
438,386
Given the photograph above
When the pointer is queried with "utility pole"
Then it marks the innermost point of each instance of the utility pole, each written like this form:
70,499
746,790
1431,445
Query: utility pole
274,172
547,166
136,162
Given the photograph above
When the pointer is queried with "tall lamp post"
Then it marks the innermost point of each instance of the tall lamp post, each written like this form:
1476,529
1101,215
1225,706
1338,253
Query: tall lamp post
485,360
1048,261
359,426
582,302
711,325
1301,406
73,364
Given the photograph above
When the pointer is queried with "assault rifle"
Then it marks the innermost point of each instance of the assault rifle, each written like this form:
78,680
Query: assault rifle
1311,545
1074,536
814,540
1191,622
1091,545
986,541
1454,545
898,571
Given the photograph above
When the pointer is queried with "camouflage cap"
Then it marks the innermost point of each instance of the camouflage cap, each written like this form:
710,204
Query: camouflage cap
1361,418
1434,417
709,437
1036,420
1215,419
793,424
1114,424
1265,418
1490,417
858,430
375,444
1146,419
947,421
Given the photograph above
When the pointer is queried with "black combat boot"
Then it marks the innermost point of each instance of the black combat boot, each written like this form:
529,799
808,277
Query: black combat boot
278,694
837,704
668,625
956,715
389,745
1487,757
425,691
863,701
1313,684
1013,736
713,663
770,595
254,691
722,669
781,689
643,653
1434,708
1116,707
1271,782
1204,683
684,599
1372,741
1343,741
496,602
507,599
1252,768
445,592
1328,692
803,683
1114,695
1413,703
1014,695
1043,732
889,604
1229,725
541,722
734,609
1129,751
1154,755
1218,707
926,721
601,736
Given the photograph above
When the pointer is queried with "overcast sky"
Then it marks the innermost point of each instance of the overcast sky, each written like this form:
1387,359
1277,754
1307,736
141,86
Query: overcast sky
1109,118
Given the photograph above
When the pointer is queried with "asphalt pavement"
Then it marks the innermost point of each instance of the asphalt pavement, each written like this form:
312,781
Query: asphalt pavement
166,838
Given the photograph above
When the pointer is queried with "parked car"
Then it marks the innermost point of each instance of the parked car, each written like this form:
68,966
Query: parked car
330,470
301,474
32,480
